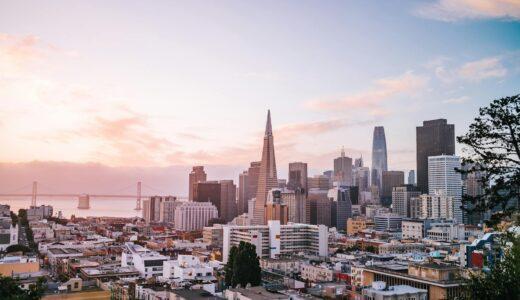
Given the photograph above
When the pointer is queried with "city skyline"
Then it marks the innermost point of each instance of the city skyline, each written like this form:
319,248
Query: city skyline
121,106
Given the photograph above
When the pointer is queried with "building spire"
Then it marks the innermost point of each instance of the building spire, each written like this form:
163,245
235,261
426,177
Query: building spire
268,127
342,151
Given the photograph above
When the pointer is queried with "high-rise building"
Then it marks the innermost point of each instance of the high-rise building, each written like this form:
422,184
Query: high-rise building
435,137
208,191
362,178
358,162
197,175
379,156
343,169
390,179
435,206
191,215
267,178
282,183
275,208
443,176
228,199
401,196
297,176
320,207
411,177
329,173
167,209
297,205
319,182
341,207
152,209
247,186
473,186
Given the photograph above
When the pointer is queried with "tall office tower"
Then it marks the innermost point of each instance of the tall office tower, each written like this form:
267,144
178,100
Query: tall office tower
442,176
282,183
297,176
401,196
209,191
435,137
358,162
473,186
320,207
343,169
151,209
267,178
275,208
411,177
341,207
320,182
247,186
362,178
228,198
191,216
167,209
390,180
379,156
197,175
297,205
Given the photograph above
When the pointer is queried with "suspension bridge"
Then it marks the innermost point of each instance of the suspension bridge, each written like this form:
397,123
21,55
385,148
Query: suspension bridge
34,194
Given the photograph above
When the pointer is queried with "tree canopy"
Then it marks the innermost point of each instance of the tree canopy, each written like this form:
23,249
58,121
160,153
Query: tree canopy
492,149
243,266
10,290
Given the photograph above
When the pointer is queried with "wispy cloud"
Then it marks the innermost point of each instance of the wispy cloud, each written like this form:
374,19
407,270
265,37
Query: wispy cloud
456,100
482,69
372,100
456,10
473,71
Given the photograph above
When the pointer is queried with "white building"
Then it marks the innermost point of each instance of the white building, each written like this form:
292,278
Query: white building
8,233
379,291
274,240
448,231
387,222
187,267
442,175
415,229
191,216
435,206
149,263
401,196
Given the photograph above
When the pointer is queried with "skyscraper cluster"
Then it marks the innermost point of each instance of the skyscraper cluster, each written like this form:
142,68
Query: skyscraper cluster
349,190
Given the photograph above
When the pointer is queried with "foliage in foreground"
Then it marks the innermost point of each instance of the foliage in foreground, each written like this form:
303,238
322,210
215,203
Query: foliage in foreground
10,290
243,266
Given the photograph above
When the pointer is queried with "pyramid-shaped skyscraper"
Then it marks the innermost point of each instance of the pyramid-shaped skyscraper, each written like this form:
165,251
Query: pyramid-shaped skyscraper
267,178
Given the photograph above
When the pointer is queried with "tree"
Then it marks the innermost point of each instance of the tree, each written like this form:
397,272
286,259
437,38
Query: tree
228,268
10,290
501,281
492,148
17,248
243,266
14,218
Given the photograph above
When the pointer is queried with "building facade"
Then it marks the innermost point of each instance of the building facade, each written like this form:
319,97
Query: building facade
197,175
435,137
443,176
191,216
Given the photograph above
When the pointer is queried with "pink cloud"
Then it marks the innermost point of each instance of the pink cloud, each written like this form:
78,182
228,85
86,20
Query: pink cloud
482,69
455,10
372,100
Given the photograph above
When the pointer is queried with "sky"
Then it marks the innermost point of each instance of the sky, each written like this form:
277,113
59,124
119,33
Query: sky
178,83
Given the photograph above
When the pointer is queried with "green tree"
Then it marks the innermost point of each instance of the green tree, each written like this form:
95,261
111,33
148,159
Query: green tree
14,218
10,289
246,266
492,148
502,280
17,248
228,268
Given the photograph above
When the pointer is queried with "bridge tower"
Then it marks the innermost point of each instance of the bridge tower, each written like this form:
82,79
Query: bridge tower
34,192
138,202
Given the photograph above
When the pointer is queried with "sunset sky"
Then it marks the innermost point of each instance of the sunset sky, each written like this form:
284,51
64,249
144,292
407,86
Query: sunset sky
160,83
